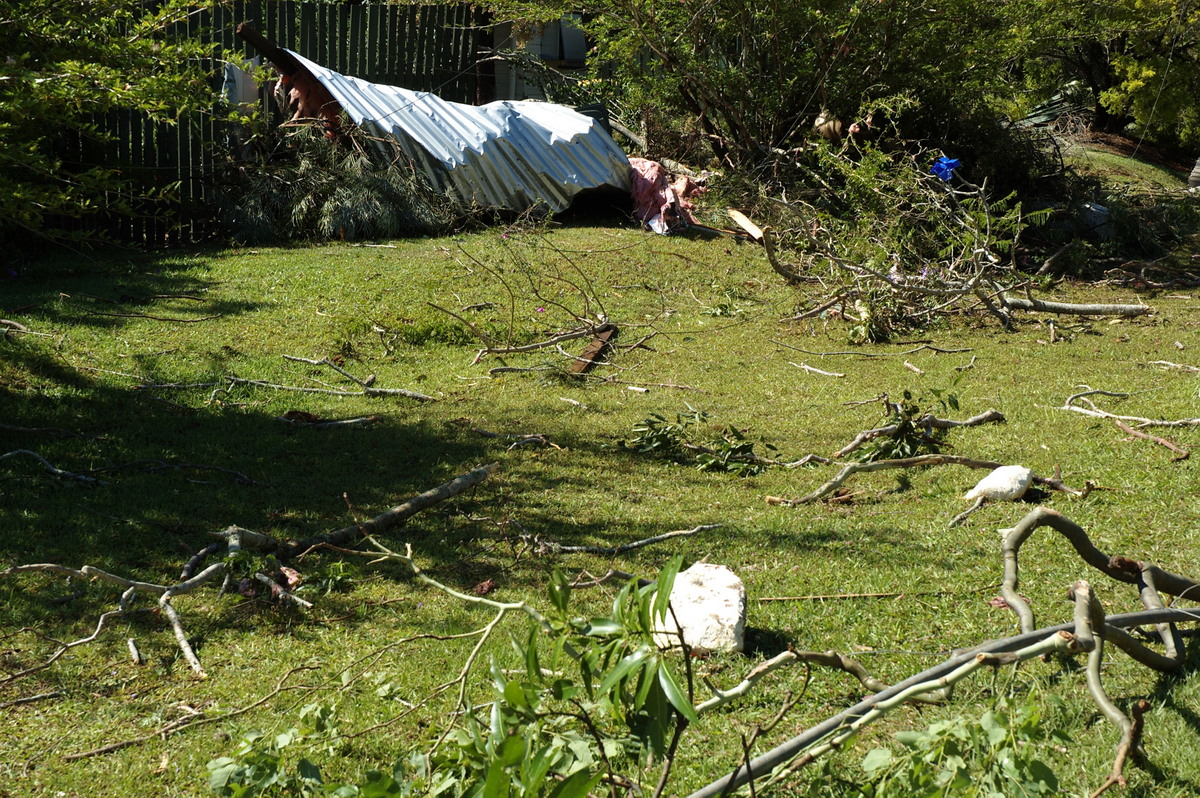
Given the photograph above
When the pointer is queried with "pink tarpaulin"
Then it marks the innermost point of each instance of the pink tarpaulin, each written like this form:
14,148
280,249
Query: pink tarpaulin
657,200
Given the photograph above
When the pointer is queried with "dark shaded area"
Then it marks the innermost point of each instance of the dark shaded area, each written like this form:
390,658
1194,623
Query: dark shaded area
168,467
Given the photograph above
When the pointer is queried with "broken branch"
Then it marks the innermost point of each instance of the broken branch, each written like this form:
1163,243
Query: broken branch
1046,306
1183,453
397,515
58,472
615,550
927,421
919,461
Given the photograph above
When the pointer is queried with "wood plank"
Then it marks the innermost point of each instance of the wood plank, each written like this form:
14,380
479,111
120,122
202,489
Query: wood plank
589,356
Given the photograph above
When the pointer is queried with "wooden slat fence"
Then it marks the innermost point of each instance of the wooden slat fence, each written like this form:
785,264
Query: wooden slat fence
425,47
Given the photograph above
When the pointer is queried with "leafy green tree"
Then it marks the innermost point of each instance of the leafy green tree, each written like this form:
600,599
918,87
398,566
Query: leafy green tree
62,64
1139,58
755,76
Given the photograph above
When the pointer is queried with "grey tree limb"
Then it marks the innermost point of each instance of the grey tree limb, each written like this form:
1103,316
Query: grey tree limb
1121,569
51,469
790,749
928,421
919,461
394,517
1068,308
612,551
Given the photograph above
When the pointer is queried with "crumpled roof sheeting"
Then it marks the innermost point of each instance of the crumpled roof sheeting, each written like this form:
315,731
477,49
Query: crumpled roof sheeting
510,155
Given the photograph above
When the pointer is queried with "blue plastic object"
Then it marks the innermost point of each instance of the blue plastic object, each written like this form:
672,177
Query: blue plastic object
944,167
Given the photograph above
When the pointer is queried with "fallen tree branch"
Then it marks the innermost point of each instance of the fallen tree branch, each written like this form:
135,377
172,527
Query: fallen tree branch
365,391
64,647
52,470
153,318
837,299
920,461
1149,579
394,517
920,348
613,551
1166,364
901,594
993,652
189,654
756,674
54,431
92,572
811,370
165,593
1067,308
292,417
1183,453
1137,421
928,421
1130,741
32,698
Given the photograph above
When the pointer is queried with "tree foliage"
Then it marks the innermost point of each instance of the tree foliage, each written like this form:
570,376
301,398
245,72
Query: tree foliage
753,77
756,76
1139,58
65,63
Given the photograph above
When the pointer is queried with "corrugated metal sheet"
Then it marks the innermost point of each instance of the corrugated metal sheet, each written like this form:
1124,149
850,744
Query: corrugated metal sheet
509,155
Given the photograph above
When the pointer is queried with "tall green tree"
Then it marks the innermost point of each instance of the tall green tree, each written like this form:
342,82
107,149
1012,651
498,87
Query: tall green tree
1139,58
755,75
62,64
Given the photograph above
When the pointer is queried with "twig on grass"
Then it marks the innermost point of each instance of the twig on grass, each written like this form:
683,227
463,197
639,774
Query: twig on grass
300,419
828,659
920,348
920,461
366,385
32,698
190,721
1166,364
153,318
811,370
485,633
52,470
1136,421
927,421
519,439
366,391
54,431
1183,454
902,594
1131,740
613,551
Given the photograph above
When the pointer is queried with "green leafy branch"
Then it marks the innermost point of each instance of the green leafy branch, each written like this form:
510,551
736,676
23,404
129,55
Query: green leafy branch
681,440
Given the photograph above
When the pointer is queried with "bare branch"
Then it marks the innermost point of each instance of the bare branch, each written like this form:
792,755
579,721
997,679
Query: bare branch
1045,306
919,461
58,472
615,550
397,515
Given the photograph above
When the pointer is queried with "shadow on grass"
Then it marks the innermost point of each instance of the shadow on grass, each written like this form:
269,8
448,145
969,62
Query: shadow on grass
114,286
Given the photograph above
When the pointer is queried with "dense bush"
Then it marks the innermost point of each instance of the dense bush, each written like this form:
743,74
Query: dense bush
311,188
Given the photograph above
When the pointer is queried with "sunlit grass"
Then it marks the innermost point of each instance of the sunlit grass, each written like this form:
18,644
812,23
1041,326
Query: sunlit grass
179,462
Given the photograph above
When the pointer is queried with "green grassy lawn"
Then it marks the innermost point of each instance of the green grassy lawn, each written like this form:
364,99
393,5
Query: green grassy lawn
99,385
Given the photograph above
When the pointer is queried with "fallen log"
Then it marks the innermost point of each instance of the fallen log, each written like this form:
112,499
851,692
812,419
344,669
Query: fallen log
1047,306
